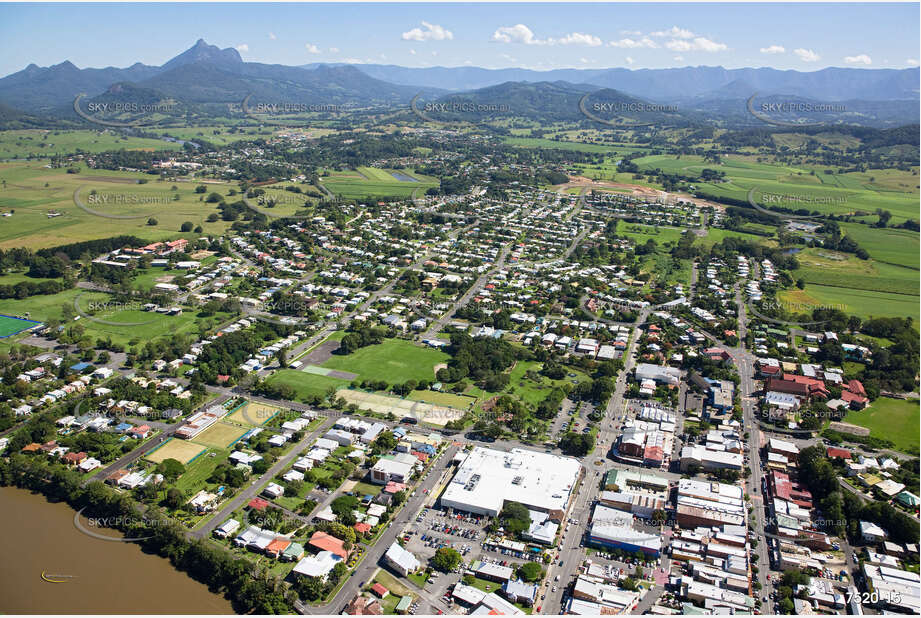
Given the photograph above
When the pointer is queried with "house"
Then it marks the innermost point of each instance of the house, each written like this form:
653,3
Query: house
318,565
380,590
872,533
363,606
401,560
326,542
227,528
140,432
74,459
273,490
388,469
518,591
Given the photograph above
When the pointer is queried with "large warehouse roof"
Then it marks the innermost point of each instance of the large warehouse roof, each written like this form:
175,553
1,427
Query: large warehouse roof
489,477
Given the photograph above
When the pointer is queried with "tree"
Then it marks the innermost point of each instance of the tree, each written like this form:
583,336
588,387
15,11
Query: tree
171,469
530,572
515,517
385,442
446,559
152,221
186,226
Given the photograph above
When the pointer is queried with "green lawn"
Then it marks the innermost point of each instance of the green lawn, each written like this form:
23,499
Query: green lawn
306,384
393,361
891,419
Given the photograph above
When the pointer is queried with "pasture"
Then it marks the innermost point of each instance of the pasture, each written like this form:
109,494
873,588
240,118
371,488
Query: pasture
891,419
20,144
375,182
49,207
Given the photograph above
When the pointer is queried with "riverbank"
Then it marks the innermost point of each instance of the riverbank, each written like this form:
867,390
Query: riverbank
109,577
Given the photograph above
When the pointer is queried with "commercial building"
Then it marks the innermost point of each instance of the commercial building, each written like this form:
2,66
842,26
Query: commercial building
488,478
613,528
657,373
700,503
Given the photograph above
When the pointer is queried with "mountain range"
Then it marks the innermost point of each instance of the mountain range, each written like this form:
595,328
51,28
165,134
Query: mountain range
204,79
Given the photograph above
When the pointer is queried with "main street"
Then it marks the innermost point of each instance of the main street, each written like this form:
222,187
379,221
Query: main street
570,549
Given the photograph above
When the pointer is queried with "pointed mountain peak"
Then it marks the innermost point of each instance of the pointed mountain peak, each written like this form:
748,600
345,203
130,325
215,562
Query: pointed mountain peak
202,52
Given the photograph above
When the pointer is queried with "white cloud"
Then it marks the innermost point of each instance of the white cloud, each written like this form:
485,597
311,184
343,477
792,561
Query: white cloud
353,61
434,53
311,48
509,58
858,59
634,43
272,36
629,60
678,58
697,44
806,55
412,52
518,33
773,49
432,32
674,32
631,32
580,38
334,50
912,62
243,47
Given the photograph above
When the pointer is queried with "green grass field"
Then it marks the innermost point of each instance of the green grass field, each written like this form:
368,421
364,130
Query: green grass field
891,419
393,361
863,303
220,435
32,191
44,143
306,384
370,181
11,326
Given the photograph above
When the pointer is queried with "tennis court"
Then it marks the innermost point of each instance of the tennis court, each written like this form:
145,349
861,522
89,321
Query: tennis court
10,326
180,450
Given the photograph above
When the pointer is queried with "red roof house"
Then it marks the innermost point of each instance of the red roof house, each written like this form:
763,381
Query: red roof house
327,542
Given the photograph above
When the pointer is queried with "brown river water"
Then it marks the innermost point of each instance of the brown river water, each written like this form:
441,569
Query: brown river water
100,577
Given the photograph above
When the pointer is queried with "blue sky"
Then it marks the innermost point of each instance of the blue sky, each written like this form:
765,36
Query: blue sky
804,37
